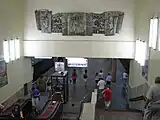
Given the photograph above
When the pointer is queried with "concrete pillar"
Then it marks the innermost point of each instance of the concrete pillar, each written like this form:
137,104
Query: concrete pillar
114,69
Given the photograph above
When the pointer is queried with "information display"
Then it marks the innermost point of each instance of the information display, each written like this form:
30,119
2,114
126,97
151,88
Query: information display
59,66
77,62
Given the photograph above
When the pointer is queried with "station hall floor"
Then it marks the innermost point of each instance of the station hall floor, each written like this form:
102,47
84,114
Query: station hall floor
77,92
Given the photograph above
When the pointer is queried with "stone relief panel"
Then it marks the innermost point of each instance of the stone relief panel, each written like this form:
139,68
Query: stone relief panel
113,22
37,16
98,23
89,24
57,23
44,19
79,23
65,24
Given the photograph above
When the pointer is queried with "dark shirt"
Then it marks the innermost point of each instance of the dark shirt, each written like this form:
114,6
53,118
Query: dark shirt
85,76
16,113
35,93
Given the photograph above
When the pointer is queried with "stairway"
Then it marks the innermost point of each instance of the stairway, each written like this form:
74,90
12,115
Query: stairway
117,115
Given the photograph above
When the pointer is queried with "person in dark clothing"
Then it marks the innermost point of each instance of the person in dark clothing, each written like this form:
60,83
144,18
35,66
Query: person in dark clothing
74,76
17,113
85,77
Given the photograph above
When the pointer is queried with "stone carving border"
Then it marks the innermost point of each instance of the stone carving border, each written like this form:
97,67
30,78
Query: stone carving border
79,23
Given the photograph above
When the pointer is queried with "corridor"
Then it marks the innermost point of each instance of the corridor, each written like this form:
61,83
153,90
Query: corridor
77,92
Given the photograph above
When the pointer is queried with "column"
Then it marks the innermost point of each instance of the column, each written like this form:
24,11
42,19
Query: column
114,69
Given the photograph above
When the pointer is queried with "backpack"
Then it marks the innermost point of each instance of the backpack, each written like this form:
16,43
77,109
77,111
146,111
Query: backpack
85,76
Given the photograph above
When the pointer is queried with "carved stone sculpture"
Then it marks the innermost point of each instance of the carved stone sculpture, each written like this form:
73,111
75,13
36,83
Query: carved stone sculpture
57,23
44,17
79,23
98,23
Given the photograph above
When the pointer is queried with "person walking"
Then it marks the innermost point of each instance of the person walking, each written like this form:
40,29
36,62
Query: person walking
85,77
125,95
107,95
125,77
96,78
74,76
101,75
109,80
152,106
101,86
35,96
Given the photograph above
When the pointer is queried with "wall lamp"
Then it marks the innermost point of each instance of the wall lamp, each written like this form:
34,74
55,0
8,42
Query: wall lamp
11,49
153,32
141,51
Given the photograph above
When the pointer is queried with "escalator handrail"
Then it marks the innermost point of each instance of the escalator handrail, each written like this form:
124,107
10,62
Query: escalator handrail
138,98
53,113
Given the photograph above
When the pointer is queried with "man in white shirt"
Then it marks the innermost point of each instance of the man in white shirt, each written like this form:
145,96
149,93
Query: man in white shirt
101,86
101,74
109,79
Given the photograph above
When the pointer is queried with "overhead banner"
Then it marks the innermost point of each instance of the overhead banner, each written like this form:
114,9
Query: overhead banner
77,62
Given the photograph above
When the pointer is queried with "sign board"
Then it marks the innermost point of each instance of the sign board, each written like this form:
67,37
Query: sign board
59,66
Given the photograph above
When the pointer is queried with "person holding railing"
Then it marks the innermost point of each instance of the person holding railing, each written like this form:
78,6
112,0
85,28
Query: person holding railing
17,113
152,106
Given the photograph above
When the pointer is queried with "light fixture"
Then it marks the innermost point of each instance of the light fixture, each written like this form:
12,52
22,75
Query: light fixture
137,52
140,54
143,52
17,48
153,33
43,57
77,62
12,49
6,50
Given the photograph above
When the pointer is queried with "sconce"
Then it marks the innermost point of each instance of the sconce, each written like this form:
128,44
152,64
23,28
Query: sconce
141,50
17,48
6,50
153,32
43,57
11,49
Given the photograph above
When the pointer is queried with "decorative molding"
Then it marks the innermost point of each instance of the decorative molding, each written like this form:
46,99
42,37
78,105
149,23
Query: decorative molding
79,23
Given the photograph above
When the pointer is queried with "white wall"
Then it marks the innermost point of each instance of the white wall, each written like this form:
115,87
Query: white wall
11,26
145,9
104,43
79,49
